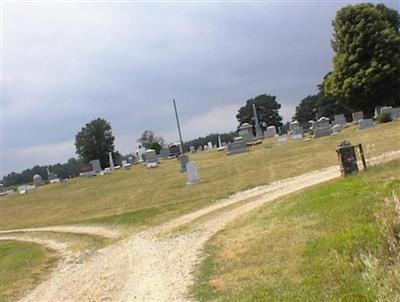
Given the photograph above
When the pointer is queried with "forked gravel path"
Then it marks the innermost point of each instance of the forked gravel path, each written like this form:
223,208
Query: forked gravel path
148,267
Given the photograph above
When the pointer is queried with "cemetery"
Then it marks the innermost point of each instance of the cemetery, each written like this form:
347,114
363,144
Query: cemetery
282,183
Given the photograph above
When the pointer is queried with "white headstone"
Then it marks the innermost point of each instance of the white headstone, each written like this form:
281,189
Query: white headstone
271,131
111,160
192,173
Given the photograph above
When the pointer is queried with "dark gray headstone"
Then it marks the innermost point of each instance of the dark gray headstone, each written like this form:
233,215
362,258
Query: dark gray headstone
238,146
96,166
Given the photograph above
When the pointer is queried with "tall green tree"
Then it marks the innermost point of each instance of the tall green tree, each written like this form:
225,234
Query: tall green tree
267,111
366,67
95,141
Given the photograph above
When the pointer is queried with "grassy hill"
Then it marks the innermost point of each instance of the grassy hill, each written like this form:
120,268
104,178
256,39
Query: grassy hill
338,241
140,196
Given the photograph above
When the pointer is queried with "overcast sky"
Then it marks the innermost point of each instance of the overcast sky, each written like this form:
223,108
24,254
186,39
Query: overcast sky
66,64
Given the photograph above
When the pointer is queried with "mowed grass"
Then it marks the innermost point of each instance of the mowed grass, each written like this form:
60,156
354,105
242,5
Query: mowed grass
140,196
335,242
22,266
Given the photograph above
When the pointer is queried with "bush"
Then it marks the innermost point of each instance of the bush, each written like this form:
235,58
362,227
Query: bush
384,117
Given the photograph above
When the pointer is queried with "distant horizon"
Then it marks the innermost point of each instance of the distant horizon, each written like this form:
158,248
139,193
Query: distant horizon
65,64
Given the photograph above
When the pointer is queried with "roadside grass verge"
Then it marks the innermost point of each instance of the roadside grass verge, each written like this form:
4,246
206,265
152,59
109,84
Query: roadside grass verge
23,265
335,242
76,242
141,197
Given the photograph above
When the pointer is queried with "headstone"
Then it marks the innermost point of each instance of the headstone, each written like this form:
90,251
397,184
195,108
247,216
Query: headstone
347,158
111,160
394,112
365,124
51,176
140,150
271,131
238,146
174,150
282,139
294,124
150,158
209,145
26,188
125,164
297,133
219,141
191,149
246,132
339,119
183,159
86,168
322,128
37,180
96,166
192,173
357,116
90,173
164,154
336,128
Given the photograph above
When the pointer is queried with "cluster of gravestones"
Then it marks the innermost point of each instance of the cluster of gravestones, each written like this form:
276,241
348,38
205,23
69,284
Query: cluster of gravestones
37,180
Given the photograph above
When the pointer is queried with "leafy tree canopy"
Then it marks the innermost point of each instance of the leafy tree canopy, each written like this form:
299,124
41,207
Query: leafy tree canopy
366,67
267,111
95,141
149,137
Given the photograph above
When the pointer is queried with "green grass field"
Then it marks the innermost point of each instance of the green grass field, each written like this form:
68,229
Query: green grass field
22,266
138,197
335,242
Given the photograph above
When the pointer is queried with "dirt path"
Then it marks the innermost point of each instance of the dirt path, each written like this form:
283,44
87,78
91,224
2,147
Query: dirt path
145,267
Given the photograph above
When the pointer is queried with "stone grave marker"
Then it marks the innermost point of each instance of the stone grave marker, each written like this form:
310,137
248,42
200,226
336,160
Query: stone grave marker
37,180
322,127
209,145
192,173
339,119
336,128
357,116
293,125
164,154
246,132
238,146
96,166
297,133
365,124
270,132
110,157
150,158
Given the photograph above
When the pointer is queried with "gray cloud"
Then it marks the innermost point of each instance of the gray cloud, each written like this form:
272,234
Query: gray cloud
65,64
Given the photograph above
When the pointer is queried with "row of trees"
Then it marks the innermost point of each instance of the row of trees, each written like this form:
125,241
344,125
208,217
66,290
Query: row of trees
71,168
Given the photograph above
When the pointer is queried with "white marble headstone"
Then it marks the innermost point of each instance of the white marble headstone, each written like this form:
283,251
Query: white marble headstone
192,173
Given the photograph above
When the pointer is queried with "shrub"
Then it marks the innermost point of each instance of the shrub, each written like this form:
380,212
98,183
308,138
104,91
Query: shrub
384,117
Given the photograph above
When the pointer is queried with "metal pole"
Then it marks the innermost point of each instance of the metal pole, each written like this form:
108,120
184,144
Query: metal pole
179,127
